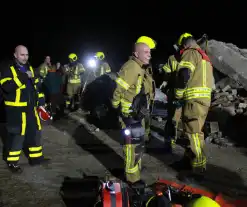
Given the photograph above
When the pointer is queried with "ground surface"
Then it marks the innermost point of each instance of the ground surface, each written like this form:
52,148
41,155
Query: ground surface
75,151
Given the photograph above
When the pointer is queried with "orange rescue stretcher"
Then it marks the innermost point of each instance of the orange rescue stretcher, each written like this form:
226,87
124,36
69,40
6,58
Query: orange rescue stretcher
217,197
120,196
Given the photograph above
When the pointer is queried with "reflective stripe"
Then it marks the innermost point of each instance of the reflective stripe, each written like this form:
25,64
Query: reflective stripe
36,80
179,93
15,152
122,83
5,80
37,118
34,149
174,65
188,65
200,160
167,69
197,92
125,106
14,156
23,123
16,79
129,161
115,103
139,84
35,152
75,81
31,69
41,95
204,73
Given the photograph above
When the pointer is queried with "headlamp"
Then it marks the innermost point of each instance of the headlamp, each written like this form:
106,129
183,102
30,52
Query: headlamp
127,132
91,63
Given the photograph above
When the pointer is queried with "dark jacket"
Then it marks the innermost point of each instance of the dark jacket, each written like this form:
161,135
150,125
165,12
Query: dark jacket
53,82
19,90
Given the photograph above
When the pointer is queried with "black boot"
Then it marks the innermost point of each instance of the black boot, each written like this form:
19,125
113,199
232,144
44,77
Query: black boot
41,161
138,190
15,168
193,176
182,165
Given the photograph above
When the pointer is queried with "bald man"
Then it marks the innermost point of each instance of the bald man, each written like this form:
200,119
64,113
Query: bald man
130,97
21,99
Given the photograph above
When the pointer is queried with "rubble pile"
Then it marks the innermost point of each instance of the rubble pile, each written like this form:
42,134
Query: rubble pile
227,97
215,136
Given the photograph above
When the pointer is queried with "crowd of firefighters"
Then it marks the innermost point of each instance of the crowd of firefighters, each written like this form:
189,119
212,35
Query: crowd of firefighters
69,79
189,76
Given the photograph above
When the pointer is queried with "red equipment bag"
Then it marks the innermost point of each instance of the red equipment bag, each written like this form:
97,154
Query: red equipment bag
114,195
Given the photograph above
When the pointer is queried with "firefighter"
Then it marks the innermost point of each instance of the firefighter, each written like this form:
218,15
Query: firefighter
130,97
74,72
174,112
44,67
102,66
21,98
193,91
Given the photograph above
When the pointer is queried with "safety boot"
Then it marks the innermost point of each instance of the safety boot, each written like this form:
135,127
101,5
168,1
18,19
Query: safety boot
138,190
182,165
41,161
15,168
192,176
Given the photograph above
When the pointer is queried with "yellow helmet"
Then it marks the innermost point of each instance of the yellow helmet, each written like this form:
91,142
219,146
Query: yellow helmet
203,201
100,55
73,57
147,40
185,35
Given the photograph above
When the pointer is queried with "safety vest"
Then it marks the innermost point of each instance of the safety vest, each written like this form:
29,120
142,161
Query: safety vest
201,82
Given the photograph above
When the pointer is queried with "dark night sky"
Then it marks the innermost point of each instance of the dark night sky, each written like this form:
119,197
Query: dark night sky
114,27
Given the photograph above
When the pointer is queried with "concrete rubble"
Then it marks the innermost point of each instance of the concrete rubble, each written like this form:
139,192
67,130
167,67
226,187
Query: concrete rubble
229,94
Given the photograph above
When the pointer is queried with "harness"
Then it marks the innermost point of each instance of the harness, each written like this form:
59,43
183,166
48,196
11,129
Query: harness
202,53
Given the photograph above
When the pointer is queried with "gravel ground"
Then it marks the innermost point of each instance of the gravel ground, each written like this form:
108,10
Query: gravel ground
74,152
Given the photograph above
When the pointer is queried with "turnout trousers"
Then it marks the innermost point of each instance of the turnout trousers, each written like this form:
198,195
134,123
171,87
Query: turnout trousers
171,126
132,158
24,133
194,115
72,90
173,118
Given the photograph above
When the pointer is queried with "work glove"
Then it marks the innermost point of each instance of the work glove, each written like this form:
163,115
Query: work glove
178,103
29,74
143,113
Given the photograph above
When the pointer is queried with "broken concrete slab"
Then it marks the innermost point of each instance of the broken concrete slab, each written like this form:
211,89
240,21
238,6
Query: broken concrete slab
229,60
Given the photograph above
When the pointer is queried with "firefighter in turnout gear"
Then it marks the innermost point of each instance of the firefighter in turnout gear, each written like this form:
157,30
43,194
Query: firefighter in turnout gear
74,72
21,98
129,96
174,112
44,67
193,91
102,66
